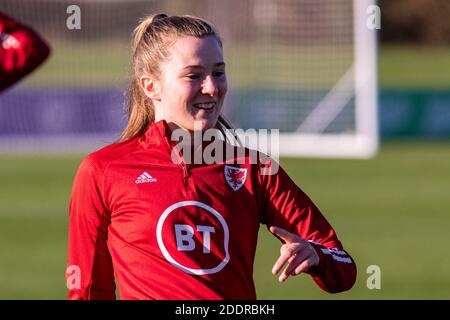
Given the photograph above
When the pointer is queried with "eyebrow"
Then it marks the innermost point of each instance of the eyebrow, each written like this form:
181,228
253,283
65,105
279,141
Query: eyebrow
219,64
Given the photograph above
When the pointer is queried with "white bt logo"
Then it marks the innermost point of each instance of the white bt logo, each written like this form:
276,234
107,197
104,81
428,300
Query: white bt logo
145,178
184,235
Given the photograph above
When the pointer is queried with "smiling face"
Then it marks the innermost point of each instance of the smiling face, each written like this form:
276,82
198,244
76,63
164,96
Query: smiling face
192,85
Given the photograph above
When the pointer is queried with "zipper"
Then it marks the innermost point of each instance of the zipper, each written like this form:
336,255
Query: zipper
185,174
183,166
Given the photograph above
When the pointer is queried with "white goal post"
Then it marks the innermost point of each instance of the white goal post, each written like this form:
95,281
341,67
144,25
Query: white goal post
360,83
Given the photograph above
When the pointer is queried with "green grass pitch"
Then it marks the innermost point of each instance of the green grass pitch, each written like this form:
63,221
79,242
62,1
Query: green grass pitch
391,211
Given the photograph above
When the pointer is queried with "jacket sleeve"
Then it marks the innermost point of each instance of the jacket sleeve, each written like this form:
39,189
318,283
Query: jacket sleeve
90,272
286,206
21,51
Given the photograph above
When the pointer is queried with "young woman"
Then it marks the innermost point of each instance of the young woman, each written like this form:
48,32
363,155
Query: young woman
162,227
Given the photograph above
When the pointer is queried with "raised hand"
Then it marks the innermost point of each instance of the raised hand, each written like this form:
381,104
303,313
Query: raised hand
296,251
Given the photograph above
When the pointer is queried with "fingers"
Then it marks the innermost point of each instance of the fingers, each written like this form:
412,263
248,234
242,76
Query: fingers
287,252
302,267
283,276
296,252
293,255
298,260
284,234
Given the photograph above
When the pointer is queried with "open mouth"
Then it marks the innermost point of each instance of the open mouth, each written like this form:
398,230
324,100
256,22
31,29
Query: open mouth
205,106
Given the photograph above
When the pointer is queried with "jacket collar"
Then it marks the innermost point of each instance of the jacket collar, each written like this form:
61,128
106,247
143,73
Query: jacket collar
158,135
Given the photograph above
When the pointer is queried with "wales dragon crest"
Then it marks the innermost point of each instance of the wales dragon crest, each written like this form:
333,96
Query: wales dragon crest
235,177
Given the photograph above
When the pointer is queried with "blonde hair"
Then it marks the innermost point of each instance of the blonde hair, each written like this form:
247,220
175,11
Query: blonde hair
151,40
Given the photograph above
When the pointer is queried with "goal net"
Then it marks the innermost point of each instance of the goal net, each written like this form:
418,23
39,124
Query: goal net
305,67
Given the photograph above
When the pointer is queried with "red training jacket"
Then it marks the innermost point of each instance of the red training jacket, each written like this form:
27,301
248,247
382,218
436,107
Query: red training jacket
21,51
163,230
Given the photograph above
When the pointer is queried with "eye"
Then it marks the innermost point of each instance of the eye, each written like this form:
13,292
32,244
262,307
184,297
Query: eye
218,74
193,76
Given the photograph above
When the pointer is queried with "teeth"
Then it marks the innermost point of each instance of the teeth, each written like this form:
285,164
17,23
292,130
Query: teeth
206,106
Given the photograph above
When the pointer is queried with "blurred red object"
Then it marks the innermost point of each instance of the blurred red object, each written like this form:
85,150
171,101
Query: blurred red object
22,50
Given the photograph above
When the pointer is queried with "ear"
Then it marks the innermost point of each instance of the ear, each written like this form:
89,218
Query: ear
151,87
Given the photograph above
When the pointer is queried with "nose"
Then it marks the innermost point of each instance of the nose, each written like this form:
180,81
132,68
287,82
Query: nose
209,87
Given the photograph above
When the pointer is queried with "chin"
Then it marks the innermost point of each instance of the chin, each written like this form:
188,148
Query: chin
204,124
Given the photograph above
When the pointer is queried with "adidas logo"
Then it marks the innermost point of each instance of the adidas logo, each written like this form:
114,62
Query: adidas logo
144,178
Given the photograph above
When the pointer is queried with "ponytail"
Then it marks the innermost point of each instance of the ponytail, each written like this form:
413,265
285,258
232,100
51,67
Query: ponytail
143,26
140,111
